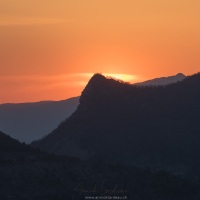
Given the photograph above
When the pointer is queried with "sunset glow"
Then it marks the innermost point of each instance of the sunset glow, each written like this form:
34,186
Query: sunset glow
50,49
124,77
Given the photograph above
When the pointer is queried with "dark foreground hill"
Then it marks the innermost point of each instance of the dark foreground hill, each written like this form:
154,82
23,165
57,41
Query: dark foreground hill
28,174
155,127
30,121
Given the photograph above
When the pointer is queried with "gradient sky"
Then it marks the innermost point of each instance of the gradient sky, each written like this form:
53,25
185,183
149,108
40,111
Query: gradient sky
50,48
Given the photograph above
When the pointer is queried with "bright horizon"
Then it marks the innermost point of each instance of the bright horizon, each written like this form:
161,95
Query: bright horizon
50,49
77,80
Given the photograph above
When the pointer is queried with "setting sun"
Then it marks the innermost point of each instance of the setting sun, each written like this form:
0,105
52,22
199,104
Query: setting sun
124,77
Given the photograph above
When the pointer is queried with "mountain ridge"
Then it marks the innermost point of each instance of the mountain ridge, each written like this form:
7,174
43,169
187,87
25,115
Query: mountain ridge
155,126
163,80
30,174
37,119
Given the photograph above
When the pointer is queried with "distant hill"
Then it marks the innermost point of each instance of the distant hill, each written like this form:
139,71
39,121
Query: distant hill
155,127
30,121
163,80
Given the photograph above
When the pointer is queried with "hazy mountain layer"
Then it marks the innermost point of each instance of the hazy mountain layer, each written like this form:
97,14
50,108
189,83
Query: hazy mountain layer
163,80
30,121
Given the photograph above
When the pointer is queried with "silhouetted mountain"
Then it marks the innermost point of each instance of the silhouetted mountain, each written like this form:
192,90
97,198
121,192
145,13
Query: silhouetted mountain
30,121
38,119
8,143
163,80
29,174
14,152
155,127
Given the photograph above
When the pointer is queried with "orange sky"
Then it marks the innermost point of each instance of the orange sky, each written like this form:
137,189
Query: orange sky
49,48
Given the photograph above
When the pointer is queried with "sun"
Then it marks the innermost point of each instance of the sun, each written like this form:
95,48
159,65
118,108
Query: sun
83,78
124,77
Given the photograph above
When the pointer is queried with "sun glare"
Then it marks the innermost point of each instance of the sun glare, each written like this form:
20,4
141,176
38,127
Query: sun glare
124,77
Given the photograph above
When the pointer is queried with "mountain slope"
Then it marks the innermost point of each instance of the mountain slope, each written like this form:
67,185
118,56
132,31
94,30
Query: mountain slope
163,80
144,126
14,152
38,119
7,143
30,121
32,175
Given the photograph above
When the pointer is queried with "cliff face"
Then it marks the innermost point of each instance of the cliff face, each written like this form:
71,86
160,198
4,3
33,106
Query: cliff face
144,126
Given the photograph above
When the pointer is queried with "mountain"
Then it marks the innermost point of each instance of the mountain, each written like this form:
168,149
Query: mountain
8,143
156,127
12,151
30,121
163,80
33,175
38,119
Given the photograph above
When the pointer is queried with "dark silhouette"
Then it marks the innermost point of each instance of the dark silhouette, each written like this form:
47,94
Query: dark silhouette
29,174
38,119
156,127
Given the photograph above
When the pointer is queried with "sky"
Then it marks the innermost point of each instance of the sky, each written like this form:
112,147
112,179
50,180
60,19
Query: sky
49,49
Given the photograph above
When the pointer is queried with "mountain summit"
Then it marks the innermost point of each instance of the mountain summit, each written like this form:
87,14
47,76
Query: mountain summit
164,80
155,127
97,79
